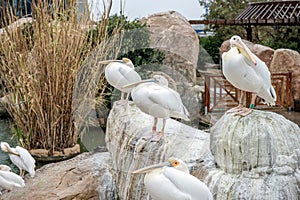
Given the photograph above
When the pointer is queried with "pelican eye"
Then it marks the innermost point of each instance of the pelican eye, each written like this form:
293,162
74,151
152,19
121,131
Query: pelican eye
174,163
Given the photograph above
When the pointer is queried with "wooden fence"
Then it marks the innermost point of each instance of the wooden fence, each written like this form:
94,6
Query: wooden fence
220,94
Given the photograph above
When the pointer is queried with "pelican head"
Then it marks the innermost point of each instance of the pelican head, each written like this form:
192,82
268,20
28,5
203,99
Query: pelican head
5,168
5,147
125,61
236,41
172,162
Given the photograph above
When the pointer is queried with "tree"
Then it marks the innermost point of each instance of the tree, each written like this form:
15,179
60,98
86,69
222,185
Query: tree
274,37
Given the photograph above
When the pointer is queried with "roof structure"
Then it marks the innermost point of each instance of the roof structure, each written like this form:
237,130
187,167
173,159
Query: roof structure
283,13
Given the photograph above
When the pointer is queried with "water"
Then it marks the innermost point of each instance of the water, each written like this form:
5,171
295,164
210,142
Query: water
6,136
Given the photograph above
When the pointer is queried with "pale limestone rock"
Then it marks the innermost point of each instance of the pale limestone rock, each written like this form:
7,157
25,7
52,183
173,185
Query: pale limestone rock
257,157
286,60
87,176
173,34
126,127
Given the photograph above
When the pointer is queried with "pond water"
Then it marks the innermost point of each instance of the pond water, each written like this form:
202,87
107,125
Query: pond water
6,136
94,137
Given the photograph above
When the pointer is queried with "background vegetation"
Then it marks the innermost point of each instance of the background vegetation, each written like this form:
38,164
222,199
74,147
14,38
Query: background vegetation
272,36
50,71
39,66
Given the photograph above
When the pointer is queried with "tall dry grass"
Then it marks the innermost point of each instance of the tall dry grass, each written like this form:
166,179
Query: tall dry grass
40,64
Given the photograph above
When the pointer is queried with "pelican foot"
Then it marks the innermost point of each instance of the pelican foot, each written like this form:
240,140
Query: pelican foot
149,135
244,112
122,102
157,137
235,109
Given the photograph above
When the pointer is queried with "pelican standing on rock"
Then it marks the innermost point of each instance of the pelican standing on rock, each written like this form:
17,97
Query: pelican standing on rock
154,97
20,157
119,73
247,72
172,181
8,179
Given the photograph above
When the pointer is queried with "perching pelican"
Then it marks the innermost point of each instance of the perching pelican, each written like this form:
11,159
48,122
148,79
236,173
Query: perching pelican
154,97
172,181
119,73
8,179
20,157
247,72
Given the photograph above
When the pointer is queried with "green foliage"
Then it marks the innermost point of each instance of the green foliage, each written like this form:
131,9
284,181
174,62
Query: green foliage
274,37
134,39
211,45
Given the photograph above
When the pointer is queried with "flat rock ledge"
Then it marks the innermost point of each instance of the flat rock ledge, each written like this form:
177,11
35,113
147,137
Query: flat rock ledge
126,127
86,176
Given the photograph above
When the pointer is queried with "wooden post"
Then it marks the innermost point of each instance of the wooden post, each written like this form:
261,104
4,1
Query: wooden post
249,33
207,92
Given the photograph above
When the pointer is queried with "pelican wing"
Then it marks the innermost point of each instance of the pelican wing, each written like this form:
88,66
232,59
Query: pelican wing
188,184
27,159
160,187
129,74
169,99
10,179
119,75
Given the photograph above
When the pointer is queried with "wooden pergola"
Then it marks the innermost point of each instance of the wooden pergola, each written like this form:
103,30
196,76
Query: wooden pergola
278,13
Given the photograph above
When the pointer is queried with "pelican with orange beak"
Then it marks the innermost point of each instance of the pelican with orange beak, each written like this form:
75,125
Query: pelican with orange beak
119,73
171,180
247,72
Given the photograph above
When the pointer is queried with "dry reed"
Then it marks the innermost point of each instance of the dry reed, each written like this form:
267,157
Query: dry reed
43,64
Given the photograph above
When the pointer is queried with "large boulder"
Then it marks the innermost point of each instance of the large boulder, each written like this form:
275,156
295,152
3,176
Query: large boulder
284,61
257,157
87,176
172,34
126,127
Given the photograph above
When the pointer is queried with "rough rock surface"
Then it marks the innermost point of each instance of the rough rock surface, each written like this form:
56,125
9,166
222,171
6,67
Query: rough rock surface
257,157
126,127
87,176
173,34
286,60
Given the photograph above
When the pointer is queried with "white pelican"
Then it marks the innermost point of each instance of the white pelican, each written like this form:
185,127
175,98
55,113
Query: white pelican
247,72
154,97
8,179
119,73
20,157
172,181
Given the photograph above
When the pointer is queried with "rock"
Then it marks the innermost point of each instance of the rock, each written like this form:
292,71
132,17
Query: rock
263,52
256,157
173,34
284,61
3,106
87,176
126,127
15,25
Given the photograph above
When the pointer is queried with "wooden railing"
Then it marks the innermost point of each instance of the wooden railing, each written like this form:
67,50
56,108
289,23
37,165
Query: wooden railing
220,94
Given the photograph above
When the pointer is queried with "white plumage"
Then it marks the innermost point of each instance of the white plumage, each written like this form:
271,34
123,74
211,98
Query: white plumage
119,73
154,97
171,181
20,157
8,179
247,72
